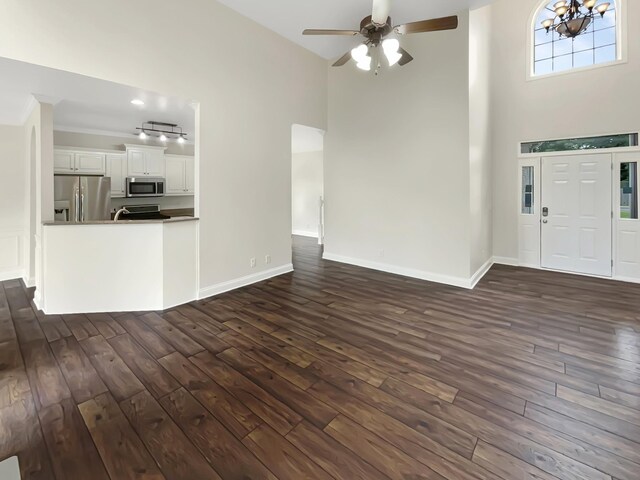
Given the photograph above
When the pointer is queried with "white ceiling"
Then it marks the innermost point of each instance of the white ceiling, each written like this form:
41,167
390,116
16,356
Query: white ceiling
290,17
85,104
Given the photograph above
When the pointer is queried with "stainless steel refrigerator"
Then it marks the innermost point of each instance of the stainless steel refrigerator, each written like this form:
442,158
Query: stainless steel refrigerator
82,199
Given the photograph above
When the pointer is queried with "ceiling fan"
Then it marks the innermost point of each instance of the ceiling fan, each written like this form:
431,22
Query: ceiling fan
376,29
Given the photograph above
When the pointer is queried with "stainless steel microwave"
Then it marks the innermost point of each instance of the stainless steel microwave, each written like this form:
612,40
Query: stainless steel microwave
145,187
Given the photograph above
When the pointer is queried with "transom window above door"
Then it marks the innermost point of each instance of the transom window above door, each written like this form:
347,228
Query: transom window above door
597,44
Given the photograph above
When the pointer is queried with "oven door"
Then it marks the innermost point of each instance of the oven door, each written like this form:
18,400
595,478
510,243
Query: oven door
145,187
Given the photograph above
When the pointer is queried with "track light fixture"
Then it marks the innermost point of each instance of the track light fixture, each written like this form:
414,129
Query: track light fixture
161,130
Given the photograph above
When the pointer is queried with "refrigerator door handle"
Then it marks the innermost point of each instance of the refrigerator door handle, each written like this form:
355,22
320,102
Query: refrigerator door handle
77,201
82,207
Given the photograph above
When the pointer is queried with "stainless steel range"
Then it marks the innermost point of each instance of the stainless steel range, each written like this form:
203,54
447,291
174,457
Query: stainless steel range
142,212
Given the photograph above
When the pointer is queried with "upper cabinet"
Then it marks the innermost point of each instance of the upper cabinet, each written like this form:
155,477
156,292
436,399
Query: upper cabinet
180,173
137,161
190,175
117,170
145,161
78,162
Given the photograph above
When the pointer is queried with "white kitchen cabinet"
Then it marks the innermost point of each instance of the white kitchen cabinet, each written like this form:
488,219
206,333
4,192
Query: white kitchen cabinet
78,162
90,163
190,175
145,161
155,163
136,163
63,161
180,175
117,170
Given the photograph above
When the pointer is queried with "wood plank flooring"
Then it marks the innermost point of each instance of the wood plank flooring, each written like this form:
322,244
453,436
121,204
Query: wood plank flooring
332,372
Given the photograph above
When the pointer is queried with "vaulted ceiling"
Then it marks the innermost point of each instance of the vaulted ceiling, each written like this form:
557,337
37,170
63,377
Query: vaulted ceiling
290,17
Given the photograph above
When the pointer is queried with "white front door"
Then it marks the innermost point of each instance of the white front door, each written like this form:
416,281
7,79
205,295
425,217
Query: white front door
576,226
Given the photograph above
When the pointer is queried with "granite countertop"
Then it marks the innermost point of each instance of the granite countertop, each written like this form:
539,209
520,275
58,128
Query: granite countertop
178,212
123,222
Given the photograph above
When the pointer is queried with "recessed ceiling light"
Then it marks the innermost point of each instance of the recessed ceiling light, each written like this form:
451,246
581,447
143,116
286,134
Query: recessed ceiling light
137,101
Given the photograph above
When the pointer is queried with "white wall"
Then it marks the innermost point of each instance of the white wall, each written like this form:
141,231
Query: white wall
306,190
103,268
480,154
599,101
251,89
13,174
119,267
397,162
38,138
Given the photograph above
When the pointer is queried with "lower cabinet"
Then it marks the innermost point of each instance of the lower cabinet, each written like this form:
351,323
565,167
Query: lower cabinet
180,175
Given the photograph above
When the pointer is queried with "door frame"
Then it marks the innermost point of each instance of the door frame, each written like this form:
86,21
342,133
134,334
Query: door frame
532,257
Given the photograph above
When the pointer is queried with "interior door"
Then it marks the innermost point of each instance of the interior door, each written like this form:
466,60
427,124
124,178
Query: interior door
576,214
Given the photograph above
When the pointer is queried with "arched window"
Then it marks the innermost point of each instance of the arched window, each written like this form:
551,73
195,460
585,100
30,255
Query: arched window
598,44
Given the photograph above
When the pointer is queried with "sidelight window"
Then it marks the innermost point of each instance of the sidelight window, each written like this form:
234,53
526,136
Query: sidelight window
527,191
629,190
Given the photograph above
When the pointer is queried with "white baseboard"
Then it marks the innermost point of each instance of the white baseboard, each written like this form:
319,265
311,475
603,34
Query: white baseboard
219,288
410,272
514,262
620,278
10,469
29,282
481,272
11,275
304,233
37,300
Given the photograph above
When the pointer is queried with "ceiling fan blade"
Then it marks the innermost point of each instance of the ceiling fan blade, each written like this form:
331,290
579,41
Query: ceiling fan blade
314,31
406,57
380,12
433,25
343,59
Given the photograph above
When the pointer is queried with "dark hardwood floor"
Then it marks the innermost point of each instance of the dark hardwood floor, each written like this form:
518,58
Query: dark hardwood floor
332,372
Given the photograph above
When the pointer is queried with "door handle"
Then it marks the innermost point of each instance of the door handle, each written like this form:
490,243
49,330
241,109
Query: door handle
77,205
545,220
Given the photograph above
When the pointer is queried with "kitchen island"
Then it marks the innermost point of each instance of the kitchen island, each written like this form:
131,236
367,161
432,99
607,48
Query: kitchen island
129,265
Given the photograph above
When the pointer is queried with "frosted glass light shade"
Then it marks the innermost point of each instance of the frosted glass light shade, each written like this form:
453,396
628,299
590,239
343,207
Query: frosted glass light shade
390,47
360,52
547,23
364,64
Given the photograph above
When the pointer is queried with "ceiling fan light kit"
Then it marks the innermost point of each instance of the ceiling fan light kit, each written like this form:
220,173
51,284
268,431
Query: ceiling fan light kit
571,18
361,55
376,30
